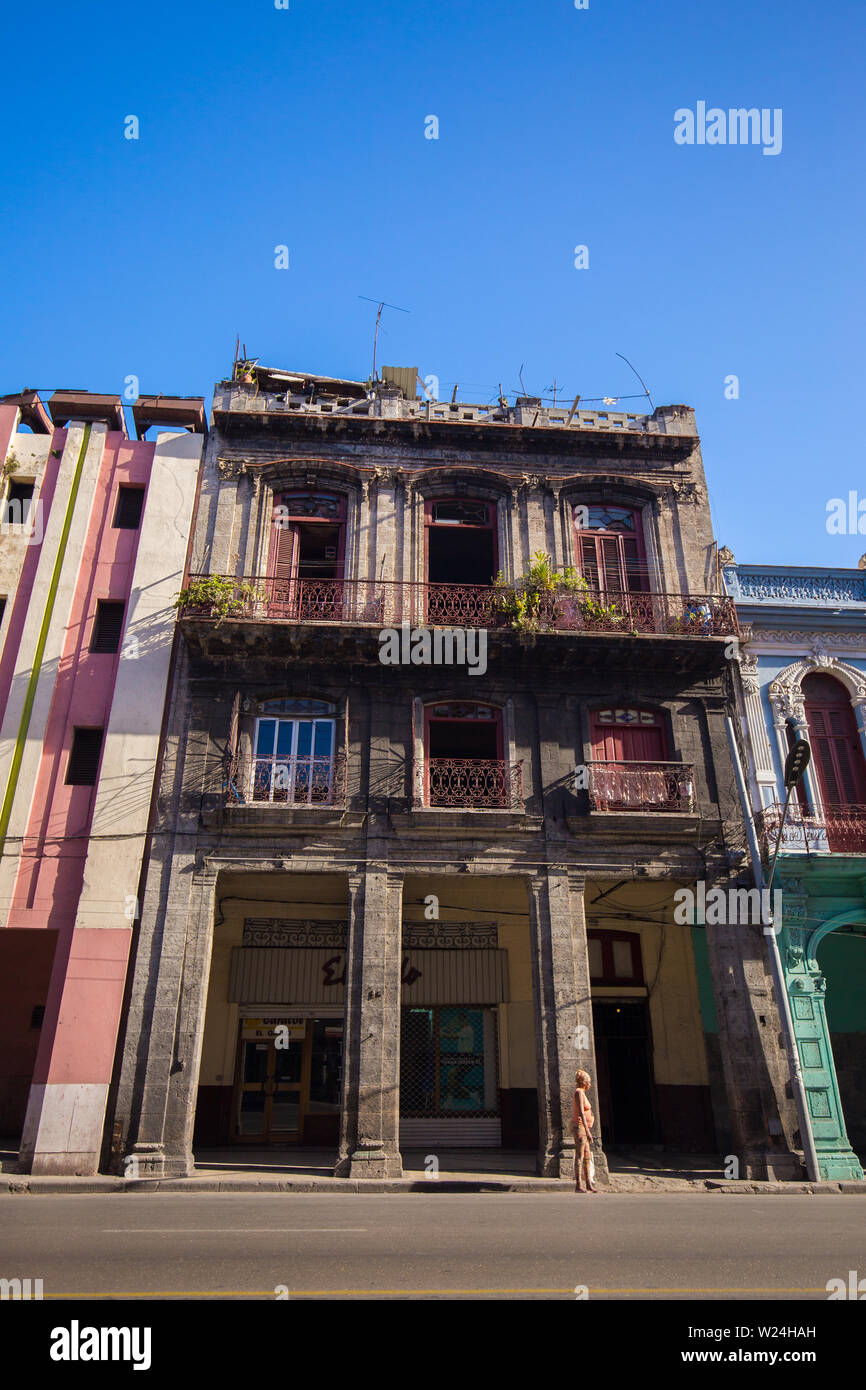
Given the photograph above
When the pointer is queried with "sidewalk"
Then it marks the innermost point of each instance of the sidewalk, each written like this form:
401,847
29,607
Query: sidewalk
460,1171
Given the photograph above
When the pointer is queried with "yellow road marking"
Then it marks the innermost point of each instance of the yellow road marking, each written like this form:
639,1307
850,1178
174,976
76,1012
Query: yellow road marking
368,1293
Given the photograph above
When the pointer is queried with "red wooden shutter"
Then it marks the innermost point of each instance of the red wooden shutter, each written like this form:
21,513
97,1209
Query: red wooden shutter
837,755
285,552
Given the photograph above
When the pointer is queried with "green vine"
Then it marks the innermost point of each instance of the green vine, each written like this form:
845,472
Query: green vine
215,597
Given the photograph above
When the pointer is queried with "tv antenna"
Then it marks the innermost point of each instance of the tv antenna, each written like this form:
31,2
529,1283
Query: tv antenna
382,305
640,379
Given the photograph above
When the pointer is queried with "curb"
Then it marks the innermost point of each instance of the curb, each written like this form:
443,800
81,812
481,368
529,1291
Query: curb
72,1186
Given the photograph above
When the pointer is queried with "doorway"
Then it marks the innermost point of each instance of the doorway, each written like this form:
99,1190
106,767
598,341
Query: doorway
623,1053
288,1081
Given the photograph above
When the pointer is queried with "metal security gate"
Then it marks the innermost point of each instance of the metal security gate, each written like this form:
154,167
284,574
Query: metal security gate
449,1077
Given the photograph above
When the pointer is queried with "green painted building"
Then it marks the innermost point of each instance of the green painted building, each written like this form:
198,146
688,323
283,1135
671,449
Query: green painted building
803,670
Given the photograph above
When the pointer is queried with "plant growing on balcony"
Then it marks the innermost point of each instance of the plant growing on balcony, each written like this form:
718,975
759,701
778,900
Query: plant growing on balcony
542,595
216,597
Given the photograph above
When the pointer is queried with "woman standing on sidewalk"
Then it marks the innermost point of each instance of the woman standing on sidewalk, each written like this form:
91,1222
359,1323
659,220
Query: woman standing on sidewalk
582,1121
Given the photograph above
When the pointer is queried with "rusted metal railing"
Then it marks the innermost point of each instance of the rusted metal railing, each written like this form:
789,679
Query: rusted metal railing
839,829
628,786
281,780
480,783
387,603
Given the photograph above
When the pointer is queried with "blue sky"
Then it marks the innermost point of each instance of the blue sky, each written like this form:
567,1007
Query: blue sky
305,127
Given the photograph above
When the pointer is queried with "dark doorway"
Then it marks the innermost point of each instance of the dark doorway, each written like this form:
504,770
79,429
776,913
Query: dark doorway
463,739
319,552
457,556
461,542
625,1085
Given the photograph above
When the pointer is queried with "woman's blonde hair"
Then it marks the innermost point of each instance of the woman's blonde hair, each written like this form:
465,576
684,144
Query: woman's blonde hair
582,1080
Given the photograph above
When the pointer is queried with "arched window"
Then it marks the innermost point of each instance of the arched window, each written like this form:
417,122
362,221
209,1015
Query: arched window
609,548
464,763
309,535
629,735
835,743
630,767
293,752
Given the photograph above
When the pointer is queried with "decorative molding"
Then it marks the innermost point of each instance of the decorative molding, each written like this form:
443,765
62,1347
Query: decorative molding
293,933
786,694
798,637
288,931
768,586
429,935
688,492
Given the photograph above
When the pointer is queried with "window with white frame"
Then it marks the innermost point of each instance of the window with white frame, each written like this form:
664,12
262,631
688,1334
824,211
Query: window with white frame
294,758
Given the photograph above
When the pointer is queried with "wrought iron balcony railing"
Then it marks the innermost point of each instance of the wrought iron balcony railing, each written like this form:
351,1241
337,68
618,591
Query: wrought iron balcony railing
286,781
839,830
474,783
386,603
627,786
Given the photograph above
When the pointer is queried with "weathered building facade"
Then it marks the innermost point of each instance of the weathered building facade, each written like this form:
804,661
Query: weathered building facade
93,544
402,888
803,673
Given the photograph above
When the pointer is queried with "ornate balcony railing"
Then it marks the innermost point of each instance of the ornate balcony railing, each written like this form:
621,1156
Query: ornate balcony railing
387,603
839,830
285,781
477,783
627,786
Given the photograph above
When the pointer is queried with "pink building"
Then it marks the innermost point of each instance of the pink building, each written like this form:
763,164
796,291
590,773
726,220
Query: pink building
93,542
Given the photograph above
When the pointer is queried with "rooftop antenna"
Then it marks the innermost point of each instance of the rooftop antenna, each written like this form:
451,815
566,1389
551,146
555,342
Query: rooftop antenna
520,374
382,305
640,379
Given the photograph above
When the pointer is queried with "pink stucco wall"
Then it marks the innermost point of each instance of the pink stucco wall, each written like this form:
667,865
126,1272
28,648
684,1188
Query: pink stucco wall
49,876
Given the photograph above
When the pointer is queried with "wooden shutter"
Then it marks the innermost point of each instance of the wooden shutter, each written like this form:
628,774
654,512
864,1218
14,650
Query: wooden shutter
837,755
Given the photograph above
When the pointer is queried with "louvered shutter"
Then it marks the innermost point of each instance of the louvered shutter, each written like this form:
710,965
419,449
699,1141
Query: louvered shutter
231,759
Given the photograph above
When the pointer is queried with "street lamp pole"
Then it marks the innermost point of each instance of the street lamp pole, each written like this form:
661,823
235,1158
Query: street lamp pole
795,765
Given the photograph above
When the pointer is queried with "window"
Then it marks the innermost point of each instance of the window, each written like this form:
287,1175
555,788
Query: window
108,626
615,958
629,735
630,767
127,513
608,543
464,764
461,542
17,506
448,1062
84,757
293,761
839,761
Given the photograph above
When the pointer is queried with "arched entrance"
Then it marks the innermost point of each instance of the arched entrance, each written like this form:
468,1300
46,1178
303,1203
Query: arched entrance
807,990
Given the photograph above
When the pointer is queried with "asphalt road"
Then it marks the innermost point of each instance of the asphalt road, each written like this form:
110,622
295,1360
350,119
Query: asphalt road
513,1246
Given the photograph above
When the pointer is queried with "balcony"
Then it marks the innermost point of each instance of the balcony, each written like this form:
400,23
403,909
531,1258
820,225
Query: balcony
483,784
840,830
385,603
278,780
628,786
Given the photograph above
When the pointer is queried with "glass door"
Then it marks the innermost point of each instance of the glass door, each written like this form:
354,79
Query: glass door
290,1077
269,1103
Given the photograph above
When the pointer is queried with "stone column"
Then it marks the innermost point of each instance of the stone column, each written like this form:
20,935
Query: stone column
757,1083
564,1039
369,1144
159,1083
